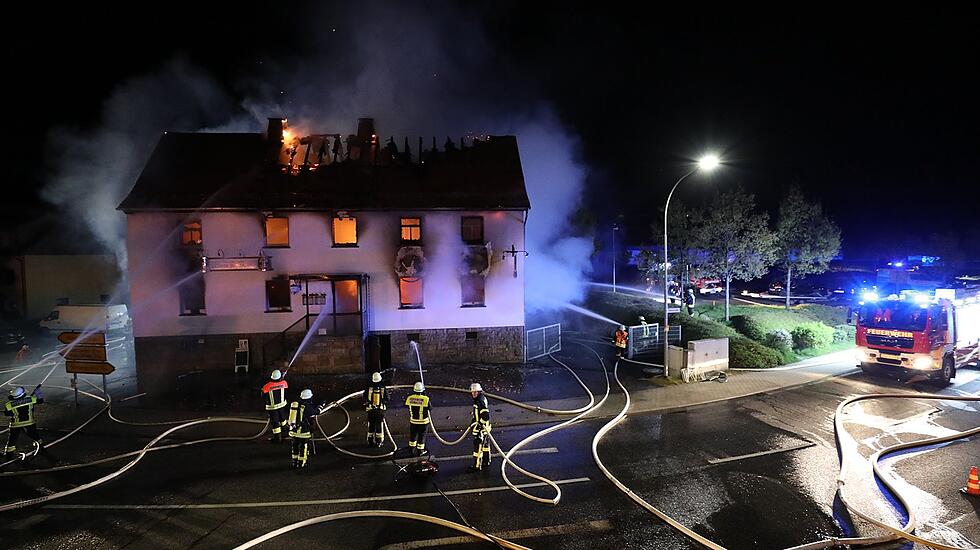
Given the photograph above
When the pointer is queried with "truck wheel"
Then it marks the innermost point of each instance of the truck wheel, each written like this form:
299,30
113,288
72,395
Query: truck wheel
868,369
948,372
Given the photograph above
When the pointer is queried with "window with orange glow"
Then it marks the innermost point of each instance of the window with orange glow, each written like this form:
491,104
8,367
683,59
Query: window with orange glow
411,230
410,290
277,231
191,236
344,231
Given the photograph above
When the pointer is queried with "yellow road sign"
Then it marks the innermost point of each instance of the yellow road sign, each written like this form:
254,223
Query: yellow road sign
89,367
91,339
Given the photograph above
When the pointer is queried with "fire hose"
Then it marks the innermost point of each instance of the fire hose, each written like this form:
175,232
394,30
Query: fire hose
894,533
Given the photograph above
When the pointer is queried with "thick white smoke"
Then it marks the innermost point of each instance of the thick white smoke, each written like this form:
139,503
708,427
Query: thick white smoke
413,69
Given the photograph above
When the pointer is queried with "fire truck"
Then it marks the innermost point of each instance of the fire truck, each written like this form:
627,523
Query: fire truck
931,333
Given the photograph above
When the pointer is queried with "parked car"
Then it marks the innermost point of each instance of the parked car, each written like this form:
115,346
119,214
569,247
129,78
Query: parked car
10,338
83,317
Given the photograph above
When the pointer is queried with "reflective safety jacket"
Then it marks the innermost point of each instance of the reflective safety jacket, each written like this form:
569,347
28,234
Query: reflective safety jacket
376,397
481,414
274,393
620,338
21,411
300,414
418,408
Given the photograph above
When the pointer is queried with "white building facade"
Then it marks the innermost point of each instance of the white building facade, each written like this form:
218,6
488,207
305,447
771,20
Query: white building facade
366,251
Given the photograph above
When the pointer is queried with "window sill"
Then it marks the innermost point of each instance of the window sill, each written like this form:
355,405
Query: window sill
411,307
466,306
278,311
276,246
193,315
412,243
335,245
475,243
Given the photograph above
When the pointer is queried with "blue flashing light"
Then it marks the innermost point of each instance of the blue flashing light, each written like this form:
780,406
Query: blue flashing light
870,296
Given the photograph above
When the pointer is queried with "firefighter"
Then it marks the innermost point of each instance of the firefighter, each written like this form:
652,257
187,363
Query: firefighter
419,408
274,395
481,428
20,408
620,339
689,300
300,429
375,403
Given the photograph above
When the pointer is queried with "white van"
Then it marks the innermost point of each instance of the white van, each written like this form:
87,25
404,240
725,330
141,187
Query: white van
83,317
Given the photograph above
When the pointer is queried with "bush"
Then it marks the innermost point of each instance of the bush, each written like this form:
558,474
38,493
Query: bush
748,327
844,333
744,353
779,340
811,335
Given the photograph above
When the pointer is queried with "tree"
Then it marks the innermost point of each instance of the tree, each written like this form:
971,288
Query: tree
735,240
806,239
682,250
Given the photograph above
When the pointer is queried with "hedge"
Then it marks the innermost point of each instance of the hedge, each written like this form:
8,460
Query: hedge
811,335
749,327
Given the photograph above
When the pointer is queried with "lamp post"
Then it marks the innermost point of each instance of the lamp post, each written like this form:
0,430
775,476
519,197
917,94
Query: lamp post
615,229
707,163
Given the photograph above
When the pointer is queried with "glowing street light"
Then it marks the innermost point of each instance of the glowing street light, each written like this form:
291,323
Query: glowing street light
706,164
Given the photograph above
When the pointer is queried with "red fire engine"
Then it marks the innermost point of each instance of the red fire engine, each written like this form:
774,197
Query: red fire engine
929,332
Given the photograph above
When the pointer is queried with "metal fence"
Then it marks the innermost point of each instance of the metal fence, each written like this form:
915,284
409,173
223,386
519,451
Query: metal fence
646,338
542,341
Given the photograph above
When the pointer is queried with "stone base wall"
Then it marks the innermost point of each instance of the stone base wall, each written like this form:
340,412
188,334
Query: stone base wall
451,345
331,355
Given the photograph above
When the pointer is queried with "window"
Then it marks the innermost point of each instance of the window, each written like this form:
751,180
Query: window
471,335
344,231
413,337
472,286
192,296
472,229
410,290
191,235
411,230
277,295
277,231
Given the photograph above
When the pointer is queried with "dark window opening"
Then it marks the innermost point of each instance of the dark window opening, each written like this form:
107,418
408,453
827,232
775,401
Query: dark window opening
192,297
471,335
410,292
411,230
473,290
277,295
472,229
191,235
413,337
277,231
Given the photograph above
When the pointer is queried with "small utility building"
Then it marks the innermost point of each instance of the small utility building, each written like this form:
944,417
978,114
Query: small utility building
367,246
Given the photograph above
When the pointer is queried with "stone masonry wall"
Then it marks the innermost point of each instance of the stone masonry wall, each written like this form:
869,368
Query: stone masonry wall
451,345
331,355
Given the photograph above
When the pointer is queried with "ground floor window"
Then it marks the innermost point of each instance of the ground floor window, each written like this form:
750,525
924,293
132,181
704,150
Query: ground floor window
333,304
277,295
410,292
192,296
473,290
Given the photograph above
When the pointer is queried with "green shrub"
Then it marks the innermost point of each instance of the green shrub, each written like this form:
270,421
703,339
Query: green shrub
779,340
749,327
811,335
744,353
844,333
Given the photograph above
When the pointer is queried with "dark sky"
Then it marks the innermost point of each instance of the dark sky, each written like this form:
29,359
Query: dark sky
874,113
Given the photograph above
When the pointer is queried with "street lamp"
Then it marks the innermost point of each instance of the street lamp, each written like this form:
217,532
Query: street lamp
706,164
615,229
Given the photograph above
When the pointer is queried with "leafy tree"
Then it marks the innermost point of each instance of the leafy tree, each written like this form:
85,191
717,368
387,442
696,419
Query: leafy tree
682,252
735,240
806,239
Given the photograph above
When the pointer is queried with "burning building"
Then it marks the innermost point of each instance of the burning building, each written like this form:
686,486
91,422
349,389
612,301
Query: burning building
363,245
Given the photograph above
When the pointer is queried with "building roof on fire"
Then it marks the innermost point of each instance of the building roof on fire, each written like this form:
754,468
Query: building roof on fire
212,171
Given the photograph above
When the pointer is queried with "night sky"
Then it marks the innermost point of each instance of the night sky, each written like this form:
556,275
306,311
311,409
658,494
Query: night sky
874,113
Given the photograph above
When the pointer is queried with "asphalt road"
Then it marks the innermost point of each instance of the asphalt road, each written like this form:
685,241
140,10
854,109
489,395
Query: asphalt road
756,472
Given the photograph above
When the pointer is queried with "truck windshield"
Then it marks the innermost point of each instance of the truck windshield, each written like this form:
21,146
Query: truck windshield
894,315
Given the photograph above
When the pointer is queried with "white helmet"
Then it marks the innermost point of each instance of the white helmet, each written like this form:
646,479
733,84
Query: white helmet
419,387
17,392
642,318
276,374
622,327
376,377
306,394
475,386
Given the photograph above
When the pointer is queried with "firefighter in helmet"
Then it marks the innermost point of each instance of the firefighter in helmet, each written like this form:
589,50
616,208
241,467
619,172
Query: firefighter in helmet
481,428
300,427
620,339
375,403
274,395
419,409
20,408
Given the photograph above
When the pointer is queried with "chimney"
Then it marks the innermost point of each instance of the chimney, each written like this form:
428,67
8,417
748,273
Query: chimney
365,128
274,133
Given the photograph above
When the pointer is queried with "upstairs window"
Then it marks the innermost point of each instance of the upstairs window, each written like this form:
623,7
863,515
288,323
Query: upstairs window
277,231
344,231
472,229
411,230
473,290
277,295
410,292
191,235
